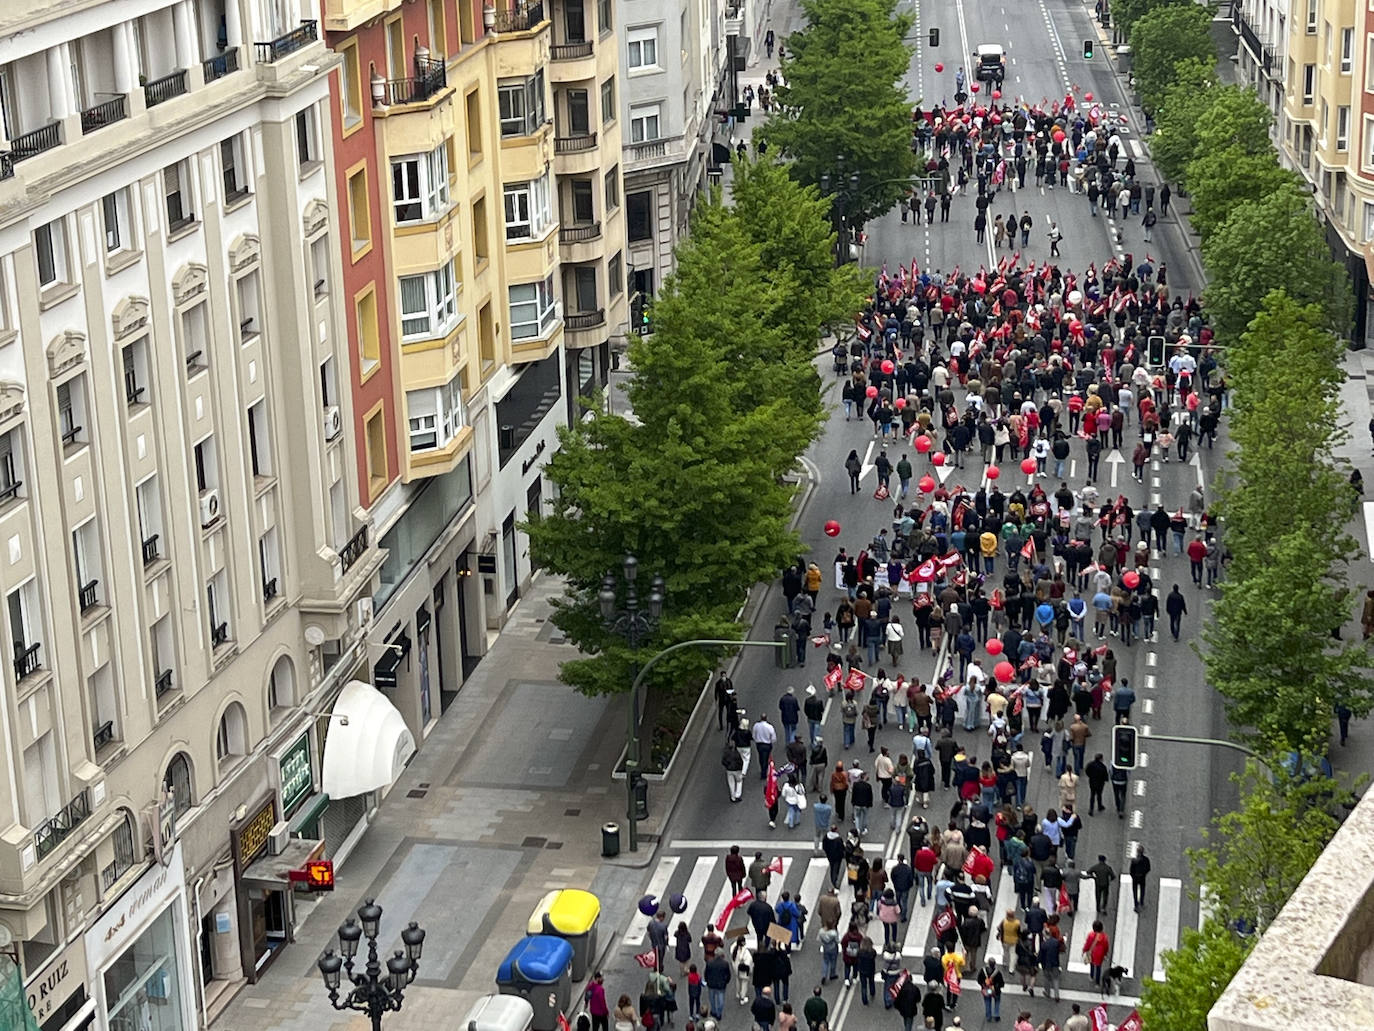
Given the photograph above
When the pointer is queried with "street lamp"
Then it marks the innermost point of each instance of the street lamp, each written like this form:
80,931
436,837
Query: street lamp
844,194
373,991
632,623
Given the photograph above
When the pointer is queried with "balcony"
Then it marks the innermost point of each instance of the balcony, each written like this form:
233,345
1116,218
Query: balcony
116,109
150,550
579,320
53,831
354,549
90,595
163,683
430,77
161,90
307,33
519,19
26,661
28,144
571,51
103,735
218,67
574,144
579,234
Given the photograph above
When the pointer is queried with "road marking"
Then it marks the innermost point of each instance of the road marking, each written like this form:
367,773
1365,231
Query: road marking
1154,468
1127,923
1143,760
696,887
1137,819
1151,659
1154,482
868,466
1136,149
816,880
1082,927
773,847
1166,925
1145,730
1150,682
1140,789
658,884
1148,706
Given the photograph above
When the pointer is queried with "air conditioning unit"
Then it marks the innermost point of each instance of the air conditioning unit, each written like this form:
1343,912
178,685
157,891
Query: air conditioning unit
278,838
333,422
209,506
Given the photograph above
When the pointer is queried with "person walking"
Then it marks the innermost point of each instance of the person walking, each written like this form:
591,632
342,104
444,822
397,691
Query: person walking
1140,873
1097,783
716,976
1102,876
765,737
1149,224
853,466
597,1005
1177,607
1119,780
1055,235
1096,948
991,982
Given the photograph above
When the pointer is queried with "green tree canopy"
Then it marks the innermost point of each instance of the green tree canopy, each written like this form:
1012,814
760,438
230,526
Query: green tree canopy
845,95
1223,179
1160,40
1174,141
1125,13
1195,975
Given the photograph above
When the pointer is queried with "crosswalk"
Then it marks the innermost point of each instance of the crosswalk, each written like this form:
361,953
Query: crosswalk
696,869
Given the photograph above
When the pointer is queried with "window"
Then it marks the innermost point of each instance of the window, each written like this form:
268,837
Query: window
351,91
269,569
359,211
176,192
643,49
369,347
1326,44
532,310
583,208
207,465
259,440
522,105
395,49
1309,83
149,505
195,338
1368,63
467,28
438,35
419,185
375,433
114,209
529,209
1324,121
177,781
134,359
612,189
584,287
639,208
474,123
1343,128
11,465
603,16
307,146
615,275
1368,222
429,303
574,22
608,101
86,561
1347,50
329,384
1311,17
486,338
644,123
231,739
481,247
100,690
319,264
435,415
50,250
250,306
234,168
579,112
71,411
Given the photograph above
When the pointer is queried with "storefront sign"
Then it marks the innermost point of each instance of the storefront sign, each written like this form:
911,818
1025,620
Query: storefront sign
57,981
120,925
249,840
297,779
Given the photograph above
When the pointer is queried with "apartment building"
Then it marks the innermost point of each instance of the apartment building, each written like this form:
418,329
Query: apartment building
1261,28
674,83
186,571
1329,131
477,152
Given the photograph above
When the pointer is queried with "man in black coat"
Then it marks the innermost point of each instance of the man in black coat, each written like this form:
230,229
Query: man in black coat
1177,607
760,915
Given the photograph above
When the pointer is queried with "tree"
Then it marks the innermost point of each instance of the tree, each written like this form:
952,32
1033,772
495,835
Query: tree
1125,13
1195,975
1221,180
1163,38
1270,244
1174,141
845,95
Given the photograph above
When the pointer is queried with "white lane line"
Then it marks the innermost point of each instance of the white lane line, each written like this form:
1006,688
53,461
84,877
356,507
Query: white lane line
1166,925
1143,760
1137,819
1151,659
1136,149
1148,706
658,884
1139,789
748,848
1082,927
868,461
1150,681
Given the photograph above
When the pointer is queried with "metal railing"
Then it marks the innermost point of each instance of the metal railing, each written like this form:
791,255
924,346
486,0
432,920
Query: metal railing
219,634
103,735
289,43
163,683
6,166
160,90
90,595
574,144
114,110
518,19
52,831
571,51
579,234
584,319
150,549
26,661
430,77
649,149
219,66
26,145
354,549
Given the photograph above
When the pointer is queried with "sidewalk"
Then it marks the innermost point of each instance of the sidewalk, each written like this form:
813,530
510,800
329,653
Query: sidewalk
503,802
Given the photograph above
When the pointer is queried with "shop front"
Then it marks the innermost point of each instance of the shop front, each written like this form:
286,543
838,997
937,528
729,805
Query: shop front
139,958
57,995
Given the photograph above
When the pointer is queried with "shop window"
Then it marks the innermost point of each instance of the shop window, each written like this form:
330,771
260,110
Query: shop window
143,986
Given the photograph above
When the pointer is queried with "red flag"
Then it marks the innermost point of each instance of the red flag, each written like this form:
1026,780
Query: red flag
833,678
855,680
648,960
950,560
1065,903
563,1024
1028,549
770,786
1098,1015
775,865
952,979
1131,1023
943,922
738,900
820,640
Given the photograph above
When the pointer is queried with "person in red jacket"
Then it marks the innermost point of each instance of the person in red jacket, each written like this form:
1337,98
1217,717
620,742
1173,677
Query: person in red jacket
924,861
1095,949
1197,551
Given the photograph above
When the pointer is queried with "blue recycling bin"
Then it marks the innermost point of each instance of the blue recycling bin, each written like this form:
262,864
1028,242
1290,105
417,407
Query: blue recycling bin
539,969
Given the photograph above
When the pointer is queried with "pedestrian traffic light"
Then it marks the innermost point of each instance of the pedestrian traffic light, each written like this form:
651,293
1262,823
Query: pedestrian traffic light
935,37
1123,746
1087,50
1155,351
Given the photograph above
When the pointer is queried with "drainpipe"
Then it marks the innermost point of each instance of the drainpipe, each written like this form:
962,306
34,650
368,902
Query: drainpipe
200,949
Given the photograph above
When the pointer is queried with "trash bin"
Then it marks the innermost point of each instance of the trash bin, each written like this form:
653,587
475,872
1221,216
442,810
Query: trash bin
1123,59
539,969
610,839
570,914
499,1013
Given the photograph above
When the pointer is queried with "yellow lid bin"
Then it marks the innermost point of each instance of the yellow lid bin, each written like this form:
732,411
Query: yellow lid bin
572,914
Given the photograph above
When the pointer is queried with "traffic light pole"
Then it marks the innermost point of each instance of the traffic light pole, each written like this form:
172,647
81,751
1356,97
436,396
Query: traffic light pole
1217,742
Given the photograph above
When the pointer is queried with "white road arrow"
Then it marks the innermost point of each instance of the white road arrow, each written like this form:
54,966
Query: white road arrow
942,471
1115,460
868,464
1196,463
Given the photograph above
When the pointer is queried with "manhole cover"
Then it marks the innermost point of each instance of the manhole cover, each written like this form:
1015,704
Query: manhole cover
572,812
553,846
416,793
534,842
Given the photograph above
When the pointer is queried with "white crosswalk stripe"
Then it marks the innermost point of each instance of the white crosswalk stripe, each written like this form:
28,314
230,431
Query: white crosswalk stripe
696,888
1166,927
817,878
1124,933
658,884
1082,927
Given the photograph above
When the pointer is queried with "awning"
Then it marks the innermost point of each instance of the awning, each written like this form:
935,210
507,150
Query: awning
368,743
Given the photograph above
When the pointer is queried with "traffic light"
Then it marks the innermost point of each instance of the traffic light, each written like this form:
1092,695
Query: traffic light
1123,746
1155,351
1087,50
639,791
935,37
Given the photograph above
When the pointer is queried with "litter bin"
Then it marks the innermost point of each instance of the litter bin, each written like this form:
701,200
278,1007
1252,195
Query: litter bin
499,1013
570,914
539,969
610,839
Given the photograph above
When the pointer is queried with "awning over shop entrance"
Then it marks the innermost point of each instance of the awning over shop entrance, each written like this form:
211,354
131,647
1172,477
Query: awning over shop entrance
368,743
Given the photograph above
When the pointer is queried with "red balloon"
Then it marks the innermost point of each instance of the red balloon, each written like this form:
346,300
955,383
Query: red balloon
926,484
996,119
1075,326
993,472
923,443
974,87
939,67
1059,136
832,528
1028,465
899,404
994,646
871,392
1004,672
1088,97
938,458
996,94
888,367
1131,579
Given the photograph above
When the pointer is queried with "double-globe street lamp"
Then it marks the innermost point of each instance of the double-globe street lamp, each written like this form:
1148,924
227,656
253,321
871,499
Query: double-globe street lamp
374,991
